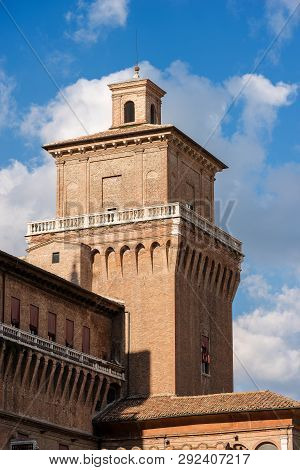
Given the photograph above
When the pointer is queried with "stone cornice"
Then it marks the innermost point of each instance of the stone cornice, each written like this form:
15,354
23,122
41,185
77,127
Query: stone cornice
135,136
134,83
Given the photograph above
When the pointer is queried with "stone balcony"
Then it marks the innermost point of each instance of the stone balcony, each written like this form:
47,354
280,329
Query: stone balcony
126,216
59,352
48,382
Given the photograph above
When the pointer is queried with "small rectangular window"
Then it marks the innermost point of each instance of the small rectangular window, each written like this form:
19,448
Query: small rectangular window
34,320
15,312
205,355
52,326
55,257
86,340
69,333
16,444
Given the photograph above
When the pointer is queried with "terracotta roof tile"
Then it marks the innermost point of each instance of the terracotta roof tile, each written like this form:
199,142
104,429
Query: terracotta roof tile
141,409
130,129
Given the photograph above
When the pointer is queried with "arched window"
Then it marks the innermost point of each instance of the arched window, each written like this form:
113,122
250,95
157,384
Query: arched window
152,114
266,446
129,113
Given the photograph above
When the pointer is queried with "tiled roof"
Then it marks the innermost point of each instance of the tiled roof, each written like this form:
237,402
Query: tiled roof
141,409
130,129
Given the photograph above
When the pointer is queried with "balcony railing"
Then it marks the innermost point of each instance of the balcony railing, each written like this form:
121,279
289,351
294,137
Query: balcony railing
71,355
126,216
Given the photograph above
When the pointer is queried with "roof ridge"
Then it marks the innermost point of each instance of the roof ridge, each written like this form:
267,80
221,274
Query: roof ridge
221,393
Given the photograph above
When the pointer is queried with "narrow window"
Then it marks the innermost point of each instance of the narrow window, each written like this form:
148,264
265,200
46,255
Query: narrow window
129,112
34,320
86,340
205,354
52,326
55,257
15,312
69,333
152,114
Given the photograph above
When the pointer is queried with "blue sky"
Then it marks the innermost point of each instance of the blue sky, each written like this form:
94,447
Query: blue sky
205,55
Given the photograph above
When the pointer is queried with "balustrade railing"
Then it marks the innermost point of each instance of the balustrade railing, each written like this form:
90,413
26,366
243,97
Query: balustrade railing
116,217
46,346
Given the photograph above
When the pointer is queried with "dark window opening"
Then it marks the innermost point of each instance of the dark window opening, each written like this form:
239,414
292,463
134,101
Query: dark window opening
69,333
15,312
86,340
52,326
129,112
205,360
113,393
55,257
34,320
153,114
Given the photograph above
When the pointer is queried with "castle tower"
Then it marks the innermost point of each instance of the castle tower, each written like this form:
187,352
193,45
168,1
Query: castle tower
135,221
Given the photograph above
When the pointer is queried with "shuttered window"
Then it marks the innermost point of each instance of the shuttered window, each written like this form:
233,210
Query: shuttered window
34,319
69,333
86,340
52,326
15,312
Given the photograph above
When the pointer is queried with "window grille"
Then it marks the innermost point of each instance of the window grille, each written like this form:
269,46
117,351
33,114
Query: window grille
23,445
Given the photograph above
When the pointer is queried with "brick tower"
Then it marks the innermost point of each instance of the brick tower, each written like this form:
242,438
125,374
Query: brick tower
135,221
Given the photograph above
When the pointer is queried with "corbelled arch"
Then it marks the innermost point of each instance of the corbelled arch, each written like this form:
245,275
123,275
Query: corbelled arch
110,262
125,260
156,257
141,258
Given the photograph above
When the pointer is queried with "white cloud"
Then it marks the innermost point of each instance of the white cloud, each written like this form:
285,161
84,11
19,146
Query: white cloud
262,99
282,17
90,18
84,107
278,13
256,286
25,195
266,343
7,102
